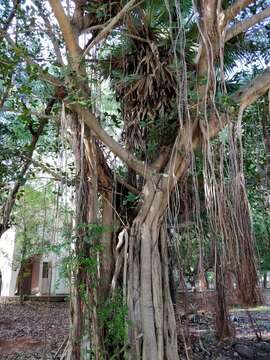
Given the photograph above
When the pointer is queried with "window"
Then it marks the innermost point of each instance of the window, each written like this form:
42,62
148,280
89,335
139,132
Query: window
45,270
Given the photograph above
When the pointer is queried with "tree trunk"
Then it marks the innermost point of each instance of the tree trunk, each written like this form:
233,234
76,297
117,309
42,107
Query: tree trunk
106,244
265,280
265,121
245,262
224,328
84,334
203,284
152,333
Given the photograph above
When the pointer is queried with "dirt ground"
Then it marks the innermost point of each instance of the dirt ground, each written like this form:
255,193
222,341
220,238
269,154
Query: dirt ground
36,330
195,326
32,331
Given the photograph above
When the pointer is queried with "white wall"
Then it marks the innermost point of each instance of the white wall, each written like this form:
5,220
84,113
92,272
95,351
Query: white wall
8,266
58,285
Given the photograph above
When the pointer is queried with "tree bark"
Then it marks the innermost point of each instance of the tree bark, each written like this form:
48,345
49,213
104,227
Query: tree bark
107,261
266,133
224,327
265,280
203,284
152,334
85,333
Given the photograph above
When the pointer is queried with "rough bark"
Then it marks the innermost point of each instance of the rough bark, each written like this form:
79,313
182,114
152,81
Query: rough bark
224,328
107,262
84,333
152,334
203,284
265,280
266,133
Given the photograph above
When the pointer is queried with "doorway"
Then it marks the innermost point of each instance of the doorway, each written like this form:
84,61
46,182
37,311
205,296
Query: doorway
46,278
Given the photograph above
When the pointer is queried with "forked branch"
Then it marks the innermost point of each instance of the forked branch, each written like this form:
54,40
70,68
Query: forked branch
93,124
104,32
67,31
90,120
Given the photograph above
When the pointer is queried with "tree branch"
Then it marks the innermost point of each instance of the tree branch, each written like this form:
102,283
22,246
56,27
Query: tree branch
50,33
253,90
92,122
89,119
236,8
245,96
6,208
11,15
242,26
67,31
55,175
43,75
104,32
128,186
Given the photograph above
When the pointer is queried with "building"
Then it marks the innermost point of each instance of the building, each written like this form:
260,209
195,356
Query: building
39,275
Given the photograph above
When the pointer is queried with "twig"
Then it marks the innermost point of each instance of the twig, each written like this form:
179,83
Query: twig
254,326
104,32
60,347
203,348
64,352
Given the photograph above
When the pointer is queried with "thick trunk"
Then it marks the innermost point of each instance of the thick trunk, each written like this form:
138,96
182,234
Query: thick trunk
93,252
152,334
249,293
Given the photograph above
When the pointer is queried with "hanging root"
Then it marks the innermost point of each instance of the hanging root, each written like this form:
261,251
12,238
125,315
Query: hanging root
241,233
224,328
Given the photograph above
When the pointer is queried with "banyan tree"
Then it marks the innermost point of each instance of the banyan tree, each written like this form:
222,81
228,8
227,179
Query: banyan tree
169,68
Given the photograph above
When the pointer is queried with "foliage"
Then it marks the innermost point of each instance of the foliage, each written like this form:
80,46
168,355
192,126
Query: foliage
37,224
145,76
113,317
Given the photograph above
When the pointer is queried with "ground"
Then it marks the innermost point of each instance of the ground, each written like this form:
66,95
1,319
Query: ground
251,326
37,330
33,331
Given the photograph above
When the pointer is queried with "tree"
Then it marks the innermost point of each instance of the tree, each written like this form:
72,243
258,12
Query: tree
169,81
